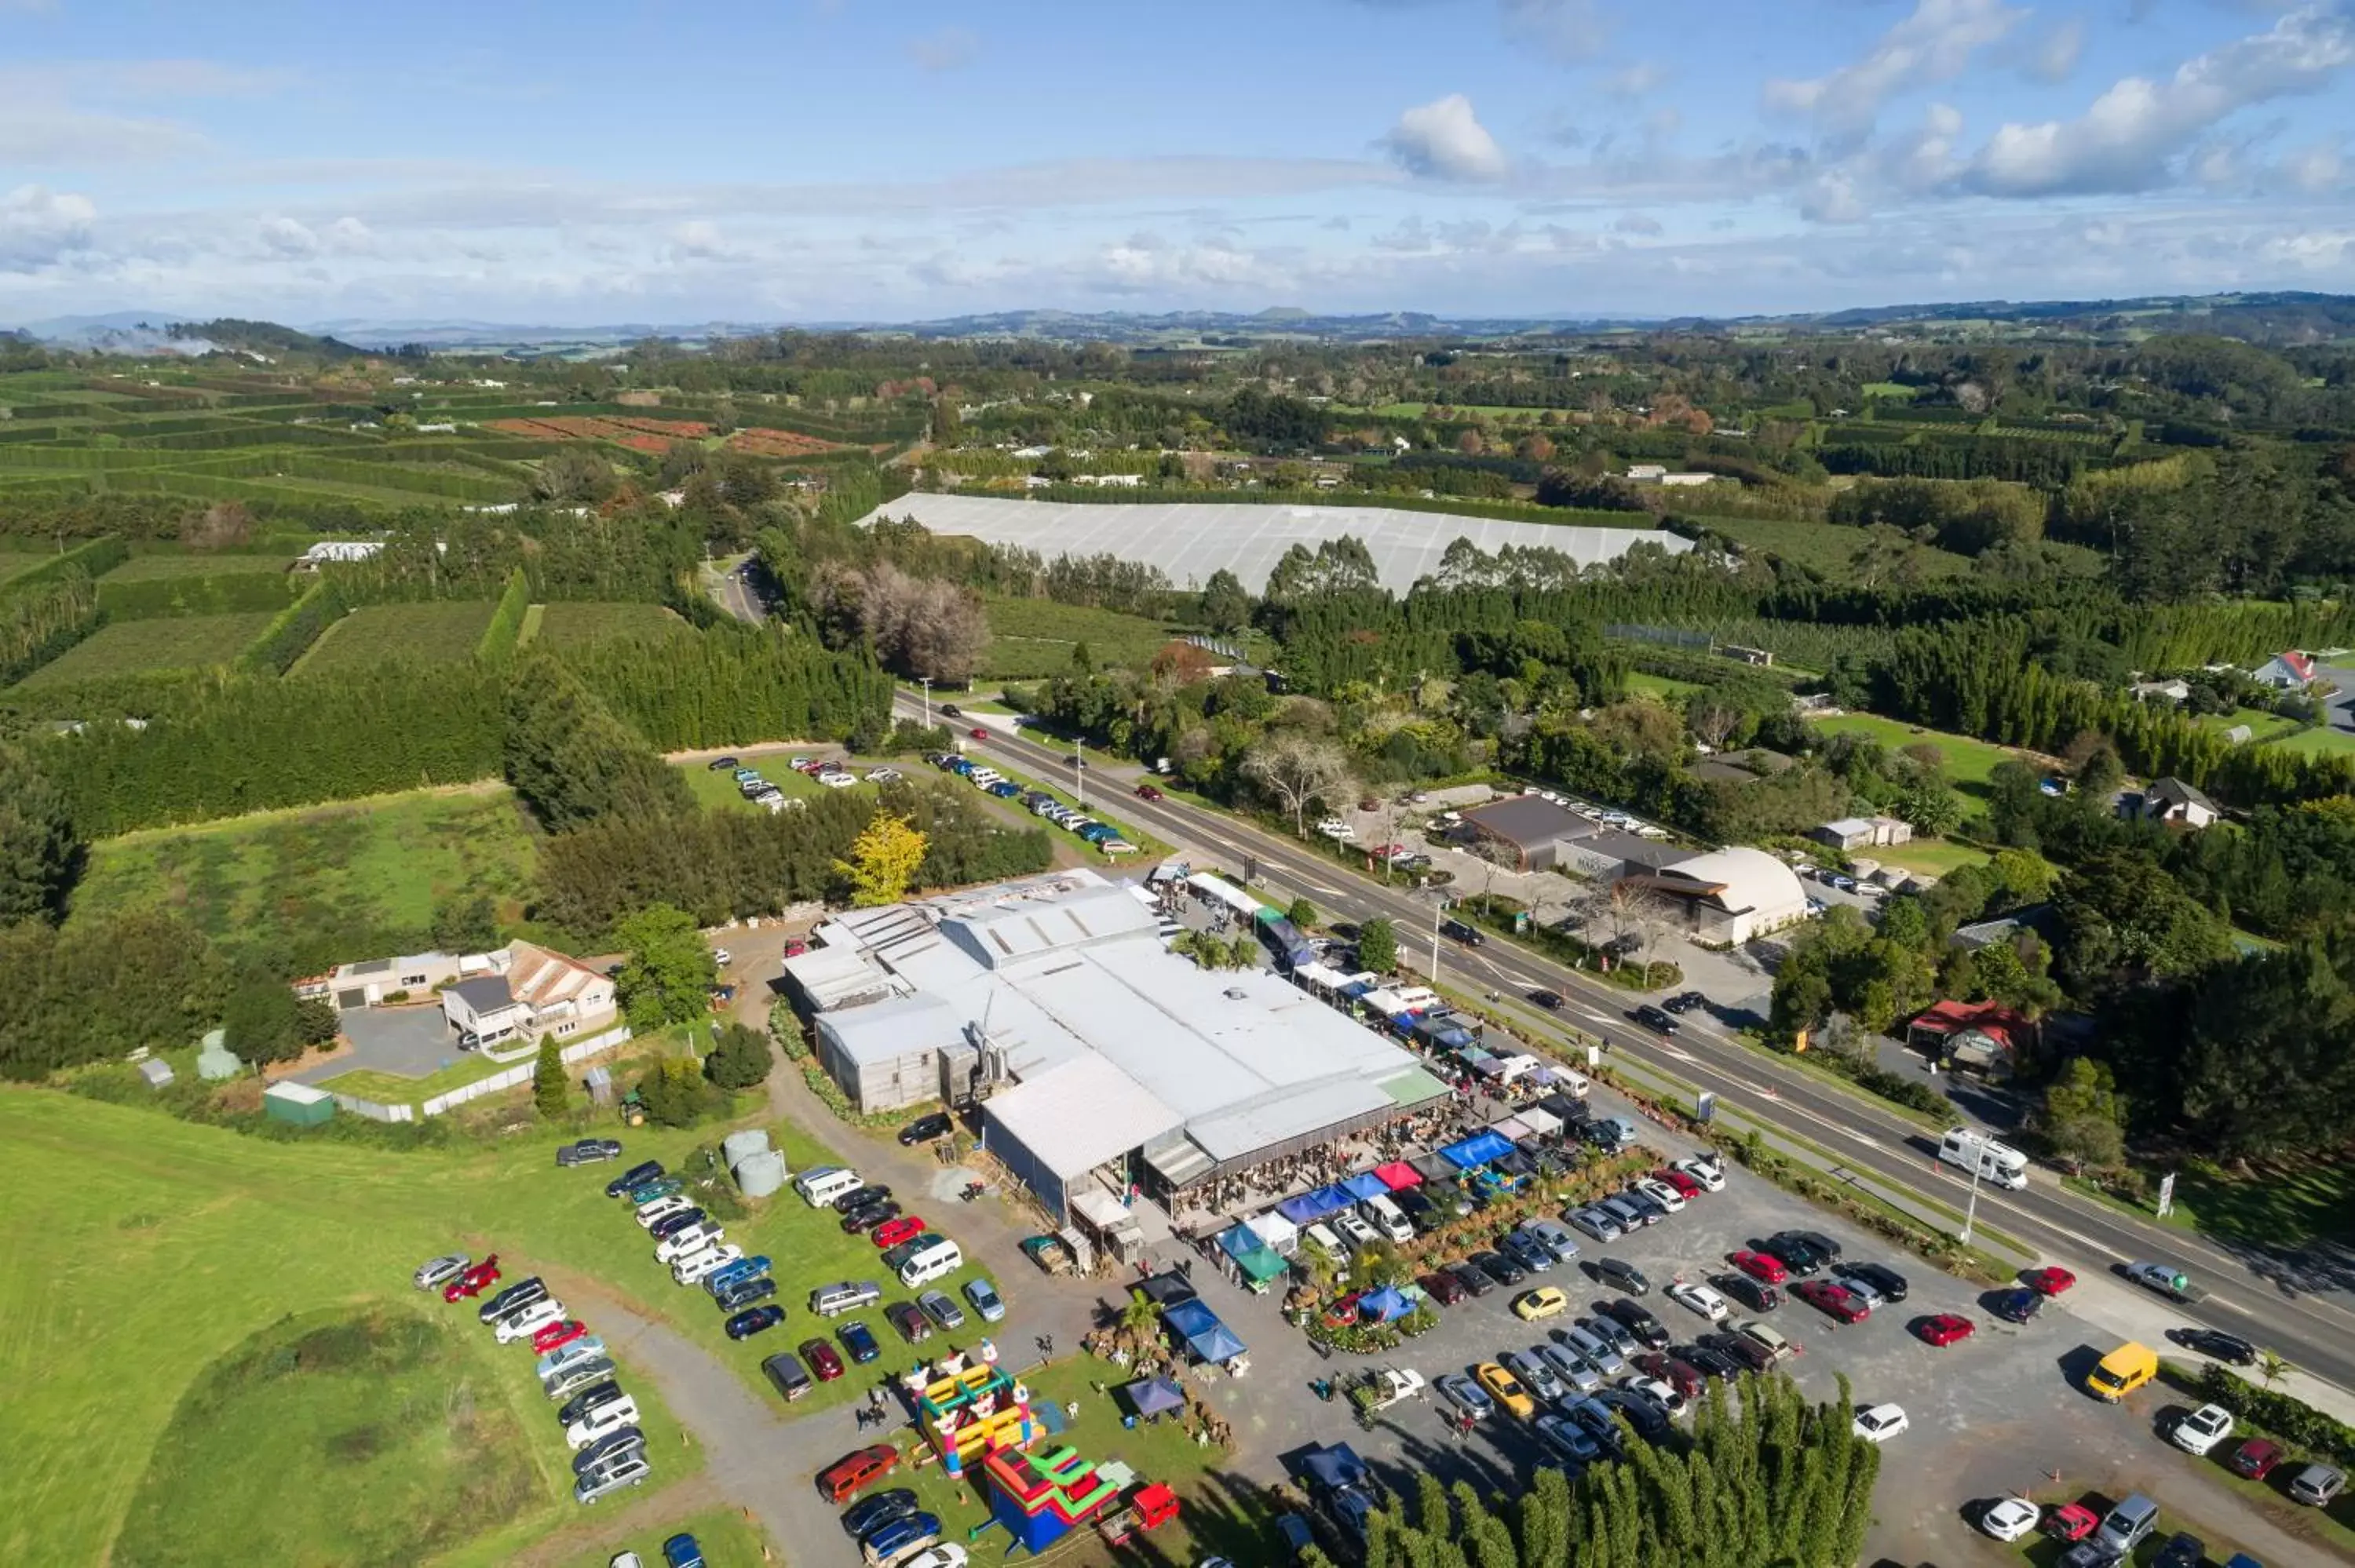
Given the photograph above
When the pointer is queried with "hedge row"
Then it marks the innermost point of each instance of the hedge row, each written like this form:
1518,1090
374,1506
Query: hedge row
94,559
2279,1414
499,638
267,587
298,626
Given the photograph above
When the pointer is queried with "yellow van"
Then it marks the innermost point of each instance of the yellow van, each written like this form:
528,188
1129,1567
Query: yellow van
2122,1372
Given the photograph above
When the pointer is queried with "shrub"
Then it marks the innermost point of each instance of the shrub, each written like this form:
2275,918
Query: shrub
741,1058
2279,1414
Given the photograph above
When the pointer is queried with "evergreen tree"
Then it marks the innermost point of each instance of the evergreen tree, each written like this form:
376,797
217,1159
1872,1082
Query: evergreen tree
1378,945
669,976
40,857
549,1091
741,1059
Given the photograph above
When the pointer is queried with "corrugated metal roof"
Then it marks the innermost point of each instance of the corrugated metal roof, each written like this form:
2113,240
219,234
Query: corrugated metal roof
1075,1117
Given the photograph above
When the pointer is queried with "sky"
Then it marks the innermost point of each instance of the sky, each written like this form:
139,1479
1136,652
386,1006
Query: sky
685,161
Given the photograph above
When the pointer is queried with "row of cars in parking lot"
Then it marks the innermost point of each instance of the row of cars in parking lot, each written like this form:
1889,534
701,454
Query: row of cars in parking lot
696,1251
1039,802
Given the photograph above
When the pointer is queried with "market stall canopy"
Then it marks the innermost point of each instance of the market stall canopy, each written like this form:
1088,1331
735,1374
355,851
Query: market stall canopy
1275,1231
1538,1119
1310,1207
1477,1149
1366,1184
1207,1338
1398,1175
1154,1395
1512,1126
1386,1304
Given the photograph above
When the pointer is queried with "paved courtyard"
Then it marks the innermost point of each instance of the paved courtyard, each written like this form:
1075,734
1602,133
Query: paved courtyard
408,1041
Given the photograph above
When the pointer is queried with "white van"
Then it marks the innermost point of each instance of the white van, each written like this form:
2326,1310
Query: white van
1388,1218
1996,1163
933,1263
686,1243
824,1185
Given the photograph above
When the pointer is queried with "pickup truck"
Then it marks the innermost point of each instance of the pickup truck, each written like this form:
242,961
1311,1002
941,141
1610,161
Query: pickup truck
1384,1386
2166,1279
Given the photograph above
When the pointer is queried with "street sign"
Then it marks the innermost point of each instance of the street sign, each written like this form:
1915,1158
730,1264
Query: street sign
1594,1057
1704,1105
2166,1194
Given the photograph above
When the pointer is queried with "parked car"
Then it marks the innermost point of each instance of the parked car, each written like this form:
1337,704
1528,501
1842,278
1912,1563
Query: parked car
1685,1001
682,1551
439,1271
474,1280
2254,1459
1526,1250
595,1397
855,1471
1573,1368
925,1128
1879,1423
1506,1389
984,1299
1886,1282
2200,1431
526,1321
872,1217
861,1198
869,1513
889,1541
1618,1271
892,1232
786,1375
942,1309
556,1336
1703,1169
522,1293
1647,1328
859,1340
1796,1256
1467,1396
637,1175
628,1468
1501,1269
1835,1301
1543,1302
1472,1277
1754,1294
2317,1486
1699,1298
2018,1306
607,1449
908,1318
2011,1520
1943,1328
754,1320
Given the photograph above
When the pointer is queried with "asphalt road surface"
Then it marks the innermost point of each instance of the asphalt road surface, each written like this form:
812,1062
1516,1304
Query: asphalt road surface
2315,1332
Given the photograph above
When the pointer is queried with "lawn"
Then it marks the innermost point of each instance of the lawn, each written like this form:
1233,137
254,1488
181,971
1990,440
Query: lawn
440,631
152,568
1968,762
2321,739
168,1246
1936,856
2277,1206
2262,726
347,878
564,625
1033,638
727,1539
1661,686
367,1437
168,643
14,561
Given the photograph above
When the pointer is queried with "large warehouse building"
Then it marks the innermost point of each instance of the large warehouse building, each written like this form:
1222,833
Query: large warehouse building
1099,1057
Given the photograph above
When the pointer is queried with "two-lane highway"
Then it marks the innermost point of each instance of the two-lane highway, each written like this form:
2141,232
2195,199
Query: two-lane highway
2314,1332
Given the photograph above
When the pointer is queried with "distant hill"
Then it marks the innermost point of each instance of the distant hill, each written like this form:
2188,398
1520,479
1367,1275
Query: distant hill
266,338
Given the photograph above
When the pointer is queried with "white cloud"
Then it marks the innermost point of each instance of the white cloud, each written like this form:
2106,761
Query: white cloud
1832,197
698,239
1638,223
38,226
2316,170
1444,139
1569,30
2056,54
948,50
2130,135
1932,45
289,238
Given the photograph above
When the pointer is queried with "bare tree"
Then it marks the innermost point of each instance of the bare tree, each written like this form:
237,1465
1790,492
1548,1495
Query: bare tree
1493,856
1638,916
1589,911
1712,720
1296,770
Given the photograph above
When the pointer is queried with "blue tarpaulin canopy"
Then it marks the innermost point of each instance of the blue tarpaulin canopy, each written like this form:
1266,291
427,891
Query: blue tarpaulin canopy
1366,1184
1209,1339
1452,1039
1154,1395
1384,1305
1478,1150
1309,1207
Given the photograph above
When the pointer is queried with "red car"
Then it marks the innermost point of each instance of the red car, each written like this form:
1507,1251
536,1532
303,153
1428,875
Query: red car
475,1281
796,947
1944,1330
1686,1187
979,733
1342,1313
2049,1281
1837,1301
2070,1521
891,1232
1444,1287
557,1335
1759,1268
1147,792
2256,1458
852,1471
825,1365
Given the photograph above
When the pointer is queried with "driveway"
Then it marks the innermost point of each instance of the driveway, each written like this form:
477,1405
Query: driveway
409,1042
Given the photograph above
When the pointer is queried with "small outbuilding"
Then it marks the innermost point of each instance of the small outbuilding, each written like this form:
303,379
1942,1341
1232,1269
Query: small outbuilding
157,1071
216,1062
298,1104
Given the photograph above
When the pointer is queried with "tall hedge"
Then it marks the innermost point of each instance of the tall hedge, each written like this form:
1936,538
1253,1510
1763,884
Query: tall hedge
298,626
39,626
499,638
213,593
94,559
733,685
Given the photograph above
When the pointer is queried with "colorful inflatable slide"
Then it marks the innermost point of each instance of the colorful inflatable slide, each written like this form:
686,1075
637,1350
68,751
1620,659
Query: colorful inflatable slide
1038,1497
973,1412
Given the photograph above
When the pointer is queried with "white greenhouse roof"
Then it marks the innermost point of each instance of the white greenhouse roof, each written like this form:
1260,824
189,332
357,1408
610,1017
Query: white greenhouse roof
1190,540
1075,1117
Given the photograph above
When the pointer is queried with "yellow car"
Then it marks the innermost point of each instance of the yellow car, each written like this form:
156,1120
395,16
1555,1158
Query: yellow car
1543,1302
1506,1390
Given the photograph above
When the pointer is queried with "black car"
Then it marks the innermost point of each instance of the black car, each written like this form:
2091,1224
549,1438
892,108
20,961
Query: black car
859,1198
1614,1333
612,1446
1447,1197
882,1508
1829,1248
1420,1212
671,1225
786,1375
1644,1203
909,1320
589,1152
859,1340
1799,1256
1526,1250
1549,1000
636,1176
925,1128
1653,1018
2181,1551
859,1221
1754,1294
2228,1348
2020,1306
1886,1282
595,1397
1636,1321
522,1293
1710,1360
1644,1413
1743,1348
744,1292
1470,1277
1618,1271
719,764
754,1320
1685,1001
1501,1269
950,710
1458,930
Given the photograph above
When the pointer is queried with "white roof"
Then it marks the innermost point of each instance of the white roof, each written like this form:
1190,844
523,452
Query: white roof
1020,928
895,1027
1190,540
1753,878
1075,1117
832,976
1848,826
295,1094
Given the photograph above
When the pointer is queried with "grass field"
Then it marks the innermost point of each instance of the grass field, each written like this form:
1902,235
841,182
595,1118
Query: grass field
2277,1205
1661,686
1032,638
717,788
371,1438
2317,740
14,561
1826,547
168,1246
346,874
567,625
1936,856
133,647
438,632
2262,726
152,568
722,1533
1968,762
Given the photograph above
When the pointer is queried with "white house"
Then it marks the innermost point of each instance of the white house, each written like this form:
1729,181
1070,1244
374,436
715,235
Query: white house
531,991
2288,671
2171,800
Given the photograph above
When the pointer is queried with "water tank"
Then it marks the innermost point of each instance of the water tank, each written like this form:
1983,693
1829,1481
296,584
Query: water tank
761,1174
738,1146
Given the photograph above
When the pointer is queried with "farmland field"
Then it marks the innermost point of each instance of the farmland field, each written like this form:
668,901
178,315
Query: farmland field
1666,688
2262,726
437,633
564,624
1968,762
132,647
149,569
158,1226
359,878
1821,547
2317,740
1031,638
14,561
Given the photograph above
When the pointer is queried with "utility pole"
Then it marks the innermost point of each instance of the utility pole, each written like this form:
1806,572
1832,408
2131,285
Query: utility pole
1079,775
1971,1214
928,700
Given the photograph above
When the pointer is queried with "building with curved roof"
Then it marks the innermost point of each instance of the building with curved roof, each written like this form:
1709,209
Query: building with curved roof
1730,894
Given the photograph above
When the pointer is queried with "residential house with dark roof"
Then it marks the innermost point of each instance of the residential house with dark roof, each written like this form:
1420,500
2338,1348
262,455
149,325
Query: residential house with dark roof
2172,801
534,991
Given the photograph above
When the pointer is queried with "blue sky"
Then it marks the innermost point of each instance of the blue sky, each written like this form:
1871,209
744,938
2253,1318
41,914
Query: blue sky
689,160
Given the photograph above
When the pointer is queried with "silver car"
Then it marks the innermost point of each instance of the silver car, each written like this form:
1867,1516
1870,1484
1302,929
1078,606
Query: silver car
441,1270
1535,1375
628,1468
1596,1223
1573,1367
1607,1361
1554,1237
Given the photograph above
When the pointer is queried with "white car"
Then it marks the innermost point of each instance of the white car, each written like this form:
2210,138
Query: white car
1335,828
661,1209
586,1348
2201,1431
1879,1423
722,957
1663,1394
837,781
1703,1169
441,1270
687,1243
692,1269
1355,1231
605,1419
1660,1193
883,775
530,1321
2011,1519
1699,1298
942,1556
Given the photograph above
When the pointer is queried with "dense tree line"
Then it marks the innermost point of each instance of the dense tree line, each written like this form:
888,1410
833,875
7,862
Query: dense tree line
572,761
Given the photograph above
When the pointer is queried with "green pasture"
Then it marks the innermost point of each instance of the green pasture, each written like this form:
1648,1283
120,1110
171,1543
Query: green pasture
1969,763
2317,740
137,647
564,624
438,631
1030,638
152,568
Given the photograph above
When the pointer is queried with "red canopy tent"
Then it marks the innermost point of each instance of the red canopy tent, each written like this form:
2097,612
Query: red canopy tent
1398,1175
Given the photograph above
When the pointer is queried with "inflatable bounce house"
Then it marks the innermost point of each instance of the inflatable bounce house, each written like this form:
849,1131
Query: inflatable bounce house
967,1413
1040,1498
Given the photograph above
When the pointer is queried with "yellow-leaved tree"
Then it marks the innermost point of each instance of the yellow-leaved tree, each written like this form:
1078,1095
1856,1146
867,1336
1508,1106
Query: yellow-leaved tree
883,861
